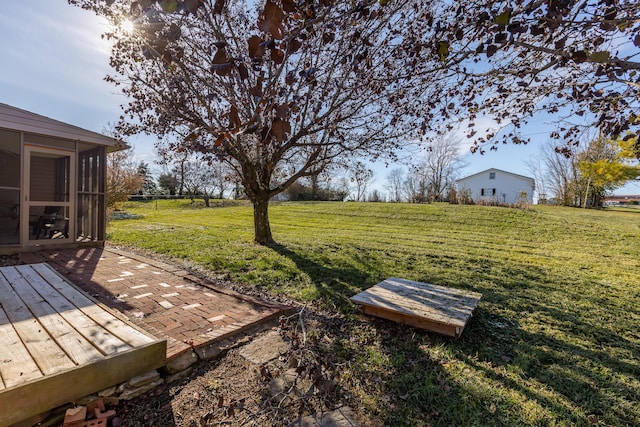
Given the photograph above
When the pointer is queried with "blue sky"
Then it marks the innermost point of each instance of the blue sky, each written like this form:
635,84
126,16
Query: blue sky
54,62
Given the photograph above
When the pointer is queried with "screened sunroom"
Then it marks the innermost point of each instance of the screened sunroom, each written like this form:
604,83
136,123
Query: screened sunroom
52,182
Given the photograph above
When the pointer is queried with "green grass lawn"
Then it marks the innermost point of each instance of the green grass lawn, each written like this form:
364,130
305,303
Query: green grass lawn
554,341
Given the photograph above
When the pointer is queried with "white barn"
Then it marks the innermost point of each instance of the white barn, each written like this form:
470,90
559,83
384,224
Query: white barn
497,186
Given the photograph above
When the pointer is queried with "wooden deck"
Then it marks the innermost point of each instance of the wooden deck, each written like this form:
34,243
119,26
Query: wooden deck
57,344
436,308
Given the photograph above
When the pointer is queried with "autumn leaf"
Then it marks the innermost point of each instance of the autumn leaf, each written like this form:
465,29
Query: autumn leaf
443,50
222,69
503,18
234,118
169,6
174,32
271,20
220,57
328,37
491,50
579,56
281,111
242,70
192,5
289,5
256,90
293,45
280,129
256,50
601,57
277,56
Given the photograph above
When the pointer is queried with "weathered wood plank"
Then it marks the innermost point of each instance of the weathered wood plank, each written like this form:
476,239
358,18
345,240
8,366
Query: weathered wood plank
37,295
418,322
27,400
438,308
98,314
101,341
16,364
46,353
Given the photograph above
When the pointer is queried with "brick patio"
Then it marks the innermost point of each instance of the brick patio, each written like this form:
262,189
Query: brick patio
168,302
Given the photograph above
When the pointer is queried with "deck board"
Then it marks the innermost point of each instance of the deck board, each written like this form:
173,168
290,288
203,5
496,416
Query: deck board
44,350
102,340
130,335
57,344
17,365
75,345
437,308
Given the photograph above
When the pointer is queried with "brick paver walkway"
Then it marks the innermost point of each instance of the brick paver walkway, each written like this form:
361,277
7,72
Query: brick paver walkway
163,299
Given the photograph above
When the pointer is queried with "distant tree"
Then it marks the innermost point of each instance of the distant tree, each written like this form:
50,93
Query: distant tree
562,173
169,183
173,164
360,177
607,164
395,179
148,183
535,165
122,178
300,191
375,196
441,162
415,185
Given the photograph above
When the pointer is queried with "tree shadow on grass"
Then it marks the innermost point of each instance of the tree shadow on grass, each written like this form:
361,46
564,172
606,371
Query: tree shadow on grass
335,284
532,353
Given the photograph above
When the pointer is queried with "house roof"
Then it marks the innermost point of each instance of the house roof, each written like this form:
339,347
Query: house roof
498,170
25,121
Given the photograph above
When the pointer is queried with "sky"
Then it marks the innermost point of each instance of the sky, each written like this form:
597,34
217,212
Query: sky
54,62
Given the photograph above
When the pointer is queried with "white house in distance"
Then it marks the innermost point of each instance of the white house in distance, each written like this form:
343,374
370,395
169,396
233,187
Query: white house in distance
497,186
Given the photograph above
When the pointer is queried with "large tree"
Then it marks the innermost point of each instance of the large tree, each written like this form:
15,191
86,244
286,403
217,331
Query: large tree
278,89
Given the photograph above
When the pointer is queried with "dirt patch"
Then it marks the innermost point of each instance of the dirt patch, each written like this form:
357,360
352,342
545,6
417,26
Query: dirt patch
6,260
299,385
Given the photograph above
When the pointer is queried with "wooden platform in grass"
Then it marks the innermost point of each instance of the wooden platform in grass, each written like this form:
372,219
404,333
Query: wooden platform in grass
432,307
57,344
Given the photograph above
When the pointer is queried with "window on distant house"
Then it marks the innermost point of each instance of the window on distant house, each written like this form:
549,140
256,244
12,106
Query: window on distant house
493,191
492,175
482,191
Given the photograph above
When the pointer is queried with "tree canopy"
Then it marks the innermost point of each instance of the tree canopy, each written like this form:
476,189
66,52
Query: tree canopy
277,89
575,59
281,88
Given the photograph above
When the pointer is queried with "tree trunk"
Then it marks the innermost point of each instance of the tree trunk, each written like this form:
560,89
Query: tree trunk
314,186
262,228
